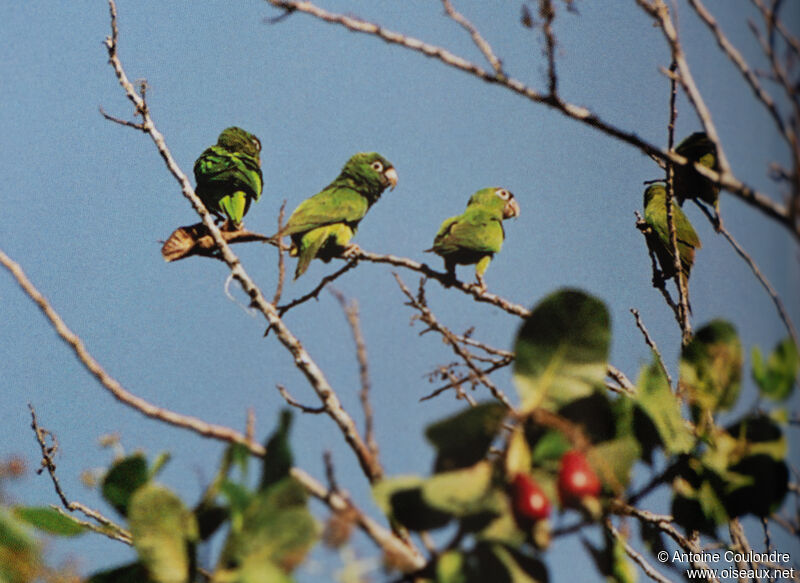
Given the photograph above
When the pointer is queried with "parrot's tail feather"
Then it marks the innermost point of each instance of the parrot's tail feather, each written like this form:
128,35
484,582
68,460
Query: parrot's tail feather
308,248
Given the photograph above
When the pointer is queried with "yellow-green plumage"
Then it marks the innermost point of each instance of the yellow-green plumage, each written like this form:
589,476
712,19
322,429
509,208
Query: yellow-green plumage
322,226
474,236
658,240
228,175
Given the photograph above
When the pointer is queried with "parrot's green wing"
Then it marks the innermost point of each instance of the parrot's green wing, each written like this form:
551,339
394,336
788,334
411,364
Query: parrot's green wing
655,215
227,182
335,204
474,230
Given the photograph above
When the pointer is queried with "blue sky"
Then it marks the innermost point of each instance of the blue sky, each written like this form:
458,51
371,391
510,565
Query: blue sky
85,203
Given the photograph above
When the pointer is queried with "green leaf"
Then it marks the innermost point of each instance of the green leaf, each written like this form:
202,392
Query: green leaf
612,460
278,459
593,414
163,530
656,399
562,350
463,439
122,480
711,368
462,492
518,455
550,447
777,377
519,567
19,554
133,573
255,568
49,520
276,526
611,560
383,491
209,518
450,568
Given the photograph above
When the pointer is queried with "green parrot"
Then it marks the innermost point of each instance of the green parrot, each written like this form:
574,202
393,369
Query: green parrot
322,226
474,236
655,215
229,176
688,183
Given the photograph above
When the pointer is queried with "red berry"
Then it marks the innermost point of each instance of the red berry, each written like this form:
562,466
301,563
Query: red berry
530,502
576,479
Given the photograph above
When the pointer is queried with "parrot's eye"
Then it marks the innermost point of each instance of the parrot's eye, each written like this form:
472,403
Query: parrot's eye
257,144
377,166
503,193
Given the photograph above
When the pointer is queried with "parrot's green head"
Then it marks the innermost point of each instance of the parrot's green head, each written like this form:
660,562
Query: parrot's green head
240,141
371,170
655,190
497,199
698,147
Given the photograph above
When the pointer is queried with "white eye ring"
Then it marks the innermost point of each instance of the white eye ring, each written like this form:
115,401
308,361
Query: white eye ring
257,144
503,193
377,166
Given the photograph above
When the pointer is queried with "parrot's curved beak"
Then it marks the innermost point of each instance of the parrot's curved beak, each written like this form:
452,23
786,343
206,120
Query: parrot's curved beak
511,209
391,176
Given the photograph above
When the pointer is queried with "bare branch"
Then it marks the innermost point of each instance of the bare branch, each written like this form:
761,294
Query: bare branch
776,299
351,313
637,557
651,343
738,60
479,41
107,527
418,303
281,259
474,290
681,282
294,403
664,524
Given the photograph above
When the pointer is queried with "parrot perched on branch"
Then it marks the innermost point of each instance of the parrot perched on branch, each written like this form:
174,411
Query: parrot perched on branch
229,176
658,240
474,236
688,183
322,226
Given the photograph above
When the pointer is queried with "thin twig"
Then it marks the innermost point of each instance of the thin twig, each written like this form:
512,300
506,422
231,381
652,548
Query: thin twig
455,382
294,403
664,524
351,313
548,12
625,385
651,343
681,282
314,293
776,299
281,259
738,60
474,290
419,304
108,527
636,556
479,41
